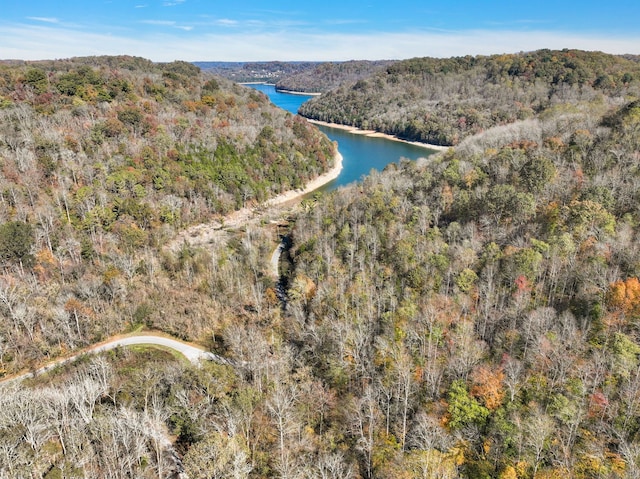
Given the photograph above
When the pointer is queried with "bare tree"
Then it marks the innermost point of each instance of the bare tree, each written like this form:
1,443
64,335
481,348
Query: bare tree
281,407
512,376
538,429
83,395
332,466
364,416
217,456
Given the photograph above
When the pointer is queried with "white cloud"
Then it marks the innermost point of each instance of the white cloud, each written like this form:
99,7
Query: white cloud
345,22
168,23
30,42
44,19
227,22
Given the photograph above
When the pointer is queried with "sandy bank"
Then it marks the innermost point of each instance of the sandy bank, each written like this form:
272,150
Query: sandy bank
292,92
375,134
237,218
280,90
314,184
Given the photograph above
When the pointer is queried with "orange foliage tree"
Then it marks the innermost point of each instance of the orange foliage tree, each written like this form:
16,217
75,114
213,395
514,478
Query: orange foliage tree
624,296
488,386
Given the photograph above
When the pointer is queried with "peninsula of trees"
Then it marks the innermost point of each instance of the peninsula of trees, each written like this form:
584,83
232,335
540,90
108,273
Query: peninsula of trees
442,101
328,76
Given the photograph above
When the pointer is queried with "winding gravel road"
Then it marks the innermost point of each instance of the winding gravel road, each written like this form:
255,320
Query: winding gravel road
192,352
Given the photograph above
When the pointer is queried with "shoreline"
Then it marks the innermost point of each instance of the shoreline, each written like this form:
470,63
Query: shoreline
237,218
354,130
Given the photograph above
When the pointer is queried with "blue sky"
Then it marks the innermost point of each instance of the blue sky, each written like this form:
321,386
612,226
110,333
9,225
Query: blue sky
259,30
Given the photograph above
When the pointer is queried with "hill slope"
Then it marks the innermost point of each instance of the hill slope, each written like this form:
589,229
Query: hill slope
479,310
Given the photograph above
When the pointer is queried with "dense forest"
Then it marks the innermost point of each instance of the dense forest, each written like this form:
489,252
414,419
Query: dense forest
103,160
443,101
328,76
477,311
471,315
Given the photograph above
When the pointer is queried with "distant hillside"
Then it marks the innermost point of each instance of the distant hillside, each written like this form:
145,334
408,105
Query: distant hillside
327,76
442,101
309,77
269,72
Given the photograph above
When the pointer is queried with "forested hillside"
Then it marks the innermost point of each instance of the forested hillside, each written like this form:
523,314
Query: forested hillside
328,76
476,315
443,101
312,77
103,160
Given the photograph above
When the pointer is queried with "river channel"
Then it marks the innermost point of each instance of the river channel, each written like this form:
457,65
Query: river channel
360,153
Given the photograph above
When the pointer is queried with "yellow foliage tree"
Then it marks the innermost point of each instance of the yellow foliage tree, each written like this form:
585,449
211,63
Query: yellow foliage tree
552,473
508,472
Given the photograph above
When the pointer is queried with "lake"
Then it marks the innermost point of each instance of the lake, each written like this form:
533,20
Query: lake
360,153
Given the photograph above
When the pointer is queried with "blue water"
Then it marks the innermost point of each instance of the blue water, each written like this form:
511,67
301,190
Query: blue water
360,153
285,101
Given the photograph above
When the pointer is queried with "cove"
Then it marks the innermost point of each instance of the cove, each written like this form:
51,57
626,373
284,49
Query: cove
360,153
